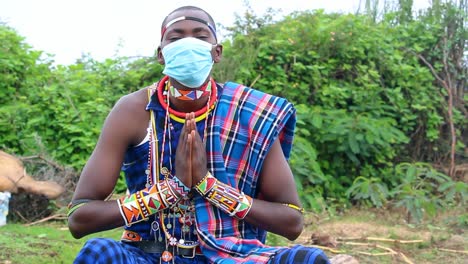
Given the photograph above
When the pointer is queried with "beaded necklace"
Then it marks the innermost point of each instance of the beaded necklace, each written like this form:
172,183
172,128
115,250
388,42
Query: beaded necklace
189,95
185,209
152,176
163,97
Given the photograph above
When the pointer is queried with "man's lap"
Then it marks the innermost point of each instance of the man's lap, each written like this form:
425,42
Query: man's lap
105,250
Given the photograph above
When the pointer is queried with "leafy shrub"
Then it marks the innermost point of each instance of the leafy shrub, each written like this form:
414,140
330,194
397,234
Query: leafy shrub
423,190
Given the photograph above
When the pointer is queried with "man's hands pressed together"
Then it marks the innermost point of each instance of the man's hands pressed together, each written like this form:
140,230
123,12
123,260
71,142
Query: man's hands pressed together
191,161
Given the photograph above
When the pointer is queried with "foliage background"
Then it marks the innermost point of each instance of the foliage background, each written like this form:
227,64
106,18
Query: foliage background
380,96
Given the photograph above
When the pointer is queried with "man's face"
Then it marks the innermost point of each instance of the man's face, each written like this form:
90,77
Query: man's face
189,28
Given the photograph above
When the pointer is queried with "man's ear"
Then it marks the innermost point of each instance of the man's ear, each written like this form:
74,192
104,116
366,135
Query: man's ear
160,56
218,53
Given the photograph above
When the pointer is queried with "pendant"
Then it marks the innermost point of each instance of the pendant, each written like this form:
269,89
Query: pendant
185,229
155,226
172,241
186,219
165,171
166,256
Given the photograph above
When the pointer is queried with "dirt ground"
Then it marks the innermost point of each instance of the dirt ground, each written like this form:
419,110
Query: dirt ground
383,236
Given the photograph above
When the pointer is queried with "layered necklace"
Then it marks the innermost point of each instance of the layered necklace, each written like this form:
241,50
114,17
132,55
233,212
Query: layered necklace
184,210
172,114
163,88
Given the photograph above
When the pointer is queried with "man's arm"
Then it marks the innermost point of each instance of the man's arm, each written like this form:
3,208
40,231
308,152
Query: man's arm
277,187
101,172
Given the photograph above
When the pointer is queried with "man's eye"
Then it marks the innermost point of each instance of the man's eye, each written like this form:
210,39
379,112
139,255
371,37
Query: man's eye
174,38
202,37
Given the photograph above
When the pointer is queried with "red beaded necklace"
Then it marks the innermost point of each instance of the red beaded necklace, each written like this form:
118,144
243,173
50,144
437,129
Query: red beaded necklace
162,96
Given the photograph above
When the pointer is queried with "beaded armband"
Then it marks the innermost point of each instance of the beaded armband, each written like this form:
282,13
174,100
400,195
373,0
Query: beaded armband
295,207
140,205
225,197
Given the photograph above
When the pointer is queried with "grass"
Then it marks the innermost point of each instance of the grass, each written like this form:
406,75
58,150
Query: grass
51,242
45,243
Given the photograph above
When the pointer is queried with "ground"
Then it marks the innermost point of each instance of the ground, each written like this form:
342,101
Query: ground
368,235
383,236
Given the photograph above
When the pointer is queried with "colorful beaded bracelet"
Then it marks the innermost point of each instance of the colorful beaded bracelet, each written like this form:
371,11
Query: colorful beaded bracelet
225,197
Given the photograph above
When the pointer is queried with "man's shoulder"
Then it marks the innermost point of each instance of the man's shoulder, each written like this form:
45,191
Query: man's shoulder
233,88
135,98
130,111
240,90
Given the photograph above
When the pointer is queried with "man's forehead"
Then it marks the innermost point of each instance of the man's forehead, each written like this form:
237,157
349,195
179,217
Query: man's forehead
185,13
197,16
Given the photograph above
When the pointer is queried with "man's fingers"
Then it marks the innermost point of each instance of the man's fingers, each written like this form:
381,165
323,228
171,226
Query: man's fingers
191,117
188,154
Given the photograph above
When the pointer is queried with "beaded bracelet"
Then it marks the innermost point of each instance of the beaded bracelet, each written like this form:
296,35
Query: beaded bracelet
140,205
75,204
225,197
206,184
168,195
178,186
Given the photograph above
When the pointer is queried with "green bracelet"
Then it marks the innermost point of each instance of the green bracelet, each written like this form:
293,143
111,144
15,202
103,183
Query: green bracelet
74,205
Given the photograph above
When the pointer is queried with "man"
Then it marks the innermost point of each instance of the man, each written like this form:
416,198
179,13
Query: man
205,164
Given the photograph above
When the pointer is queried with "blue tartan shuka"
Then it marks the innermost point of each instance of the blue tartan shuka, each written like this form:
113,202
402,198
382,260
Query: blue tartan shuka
242,131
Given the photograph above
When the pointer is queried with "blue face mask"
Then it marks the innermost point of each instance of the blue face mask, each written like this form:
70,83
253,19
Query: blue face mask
189,61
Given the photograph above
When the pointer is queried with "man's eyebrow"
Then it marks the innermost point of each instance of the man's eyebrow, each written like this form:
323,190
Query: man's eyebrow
199,29
194,30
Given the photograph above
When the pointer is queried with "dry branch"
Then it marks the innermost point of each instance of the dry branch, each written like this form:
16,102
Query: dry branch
21,216
398,241
332,250
46,160
390,252
394,240
405,258
56,216
453,250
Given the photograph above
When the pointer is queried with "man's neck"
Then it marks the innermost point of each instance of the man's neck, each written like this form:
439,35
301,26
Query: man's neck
188,106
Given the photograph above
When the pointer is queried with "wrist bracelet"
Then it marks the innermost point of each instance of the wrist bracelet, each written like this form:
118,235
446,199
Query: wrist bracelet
225,197
140,205
244,207
206,184
178,186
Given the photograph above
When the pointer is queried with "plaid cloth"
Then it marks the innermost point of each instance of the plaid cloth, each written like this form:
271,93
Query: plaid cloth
105,250
245,125
300,255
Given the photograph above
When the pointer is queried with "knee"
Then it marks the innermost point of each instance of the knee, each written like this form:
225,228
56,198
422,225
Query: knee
301,254
321,259
93,251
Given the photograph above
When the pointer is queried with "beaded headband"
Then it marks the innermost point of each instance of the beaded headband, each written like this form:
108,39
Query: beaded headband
177,19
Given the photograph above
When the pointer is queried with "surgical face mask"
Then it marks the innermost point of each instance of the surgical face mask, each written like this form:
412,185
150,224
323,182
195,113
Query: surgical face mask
189,61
